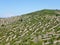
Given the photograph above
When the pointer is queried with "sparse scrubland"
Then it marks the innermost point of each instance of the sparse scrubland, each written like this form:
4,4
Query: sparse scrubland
36,28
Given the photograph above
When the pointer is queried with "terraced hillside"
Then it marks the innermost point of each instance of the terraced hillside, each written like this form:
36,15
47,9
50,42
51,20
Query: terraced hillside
36,28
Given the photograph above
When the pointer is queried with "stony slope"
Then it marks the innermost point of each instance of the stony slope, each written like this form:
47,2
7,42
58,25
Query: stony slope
36,28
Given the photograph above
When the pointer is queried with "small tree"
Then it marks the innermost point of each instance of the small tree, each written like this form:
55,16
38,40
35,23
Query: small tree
21,19
2,25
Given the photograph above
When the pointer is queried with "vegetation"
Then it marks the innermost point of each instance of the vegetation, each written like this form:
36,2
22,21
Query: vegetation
36,28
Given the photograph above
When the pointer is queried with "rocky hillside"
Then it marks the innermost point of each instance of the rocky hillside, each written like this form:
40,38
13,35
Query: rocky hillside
36,28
